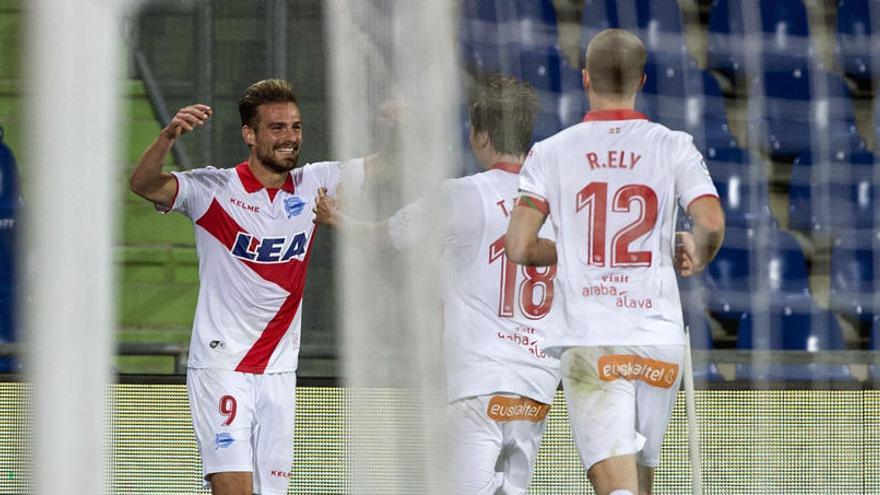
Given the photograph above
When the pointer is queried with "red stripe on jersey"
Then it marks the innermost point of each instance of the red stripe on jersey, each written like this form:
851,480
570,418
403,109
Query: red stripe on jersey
290,276
257,358
533,202
511,167
616,114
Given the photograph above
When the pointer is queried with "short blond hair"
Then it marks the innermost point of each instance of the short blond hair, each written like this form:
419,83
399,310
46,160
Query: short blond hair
616,63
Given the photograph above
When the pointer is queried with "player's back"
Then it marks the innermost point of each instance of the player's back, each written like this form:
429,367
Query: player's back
611,184
496,311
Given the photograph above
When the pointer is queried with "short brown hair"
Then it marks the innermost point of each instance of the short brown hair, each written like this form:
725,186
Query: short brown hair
504,108
261,92
616,62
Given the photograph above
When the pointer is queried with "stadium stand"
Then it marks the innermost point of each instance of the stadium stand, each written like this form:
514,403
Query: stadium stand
785,43
687,99
748,260
745,199
797,110
700,333
10,202
835,195
852,292
789,329
856,21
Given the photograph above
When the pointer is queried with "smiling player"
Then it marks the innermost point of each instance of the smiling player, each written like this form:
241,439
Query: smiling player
254,231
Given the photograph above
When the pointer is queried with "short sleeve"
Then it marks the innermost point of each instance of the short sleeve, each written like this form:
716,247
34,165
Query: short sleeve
692,180
457,206
416,222
195,189
348,174
533,177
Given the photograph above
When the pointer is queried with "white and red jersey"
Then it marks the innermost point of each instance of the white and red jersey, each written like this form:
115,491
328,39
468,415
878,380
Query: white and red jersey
495,310
610,185
253,245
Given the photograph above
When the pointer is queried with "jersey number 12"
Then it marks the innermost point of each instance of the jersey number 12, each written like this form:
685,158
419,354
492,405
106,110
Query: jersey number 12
594,198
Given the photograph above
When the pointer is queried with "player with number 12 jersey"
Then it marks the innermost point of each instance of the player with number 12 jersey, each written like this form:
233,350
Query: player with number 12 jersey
610,185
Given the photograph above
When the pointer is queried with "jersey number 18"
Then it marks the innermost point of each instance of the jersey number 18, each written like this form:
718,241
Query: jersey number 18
533,278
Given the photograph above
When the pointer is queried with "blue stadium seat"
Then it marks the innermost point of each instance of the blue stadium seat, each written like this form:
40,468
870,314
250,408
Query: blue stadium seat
536,24
744,198
490,56
799,110
10,209
787,328
837,194
856,21
658,23
686,99
527,22
746,263
541,67
700,334
785,40
852,291
599,15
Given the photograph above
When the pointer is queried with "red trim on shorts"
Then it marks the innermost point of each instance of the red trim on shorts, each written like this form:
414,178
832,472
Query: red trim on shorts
511,167
701,197
616,114
533,201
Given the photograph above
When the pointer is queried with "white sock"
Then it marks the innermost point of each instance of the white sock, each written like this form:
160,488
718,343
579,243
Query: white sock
621,492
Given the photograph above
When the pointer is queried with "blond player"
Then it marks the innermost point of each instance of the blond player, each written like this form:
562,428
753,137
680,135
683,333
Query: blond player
609,186
254,231
500,381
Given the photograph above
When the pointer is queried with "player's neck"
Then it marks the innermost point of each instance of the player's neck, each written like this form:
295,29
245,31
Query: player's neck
267,177
493,158
602,102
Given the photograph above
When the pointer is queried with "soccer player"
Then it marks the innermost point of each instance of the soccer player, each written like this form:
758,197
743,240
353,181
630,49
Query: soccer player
609,186
500,382
254,231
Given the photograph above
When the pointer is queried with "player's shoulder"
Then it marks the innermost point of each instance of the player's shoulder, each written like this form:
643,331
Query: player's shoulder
208,174
562,137
667,136
458,186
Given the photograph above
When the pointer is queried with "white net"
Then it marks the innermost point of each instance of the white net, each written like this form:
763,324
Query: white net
390,57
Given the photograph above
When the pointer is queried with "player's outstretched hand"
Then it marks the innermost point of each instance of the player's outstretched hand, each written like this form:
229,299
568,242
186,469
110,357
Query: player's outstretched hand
187,119
325,209
686,263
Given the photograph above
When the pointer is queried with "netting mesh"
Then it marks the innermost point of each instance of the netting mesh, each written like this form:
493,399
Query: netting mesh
393,92
780,96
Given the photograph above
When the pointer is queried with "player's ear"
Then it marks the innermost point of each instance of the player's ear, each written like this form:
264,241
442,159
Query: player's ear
585,79
642,82
247,134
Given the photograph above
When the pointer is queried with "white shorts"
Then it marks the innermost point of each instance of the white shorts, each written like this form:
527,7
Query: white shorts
620,399
493,443
244,422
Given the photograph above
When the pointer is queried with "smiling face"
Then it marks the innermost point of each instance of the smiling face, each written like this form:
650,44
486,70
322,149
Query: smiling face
276,138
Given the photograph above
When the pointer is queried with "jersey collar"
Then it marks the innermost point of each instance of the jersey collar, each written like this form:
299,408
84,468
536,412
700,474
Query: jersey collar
252,185
513,168
616,114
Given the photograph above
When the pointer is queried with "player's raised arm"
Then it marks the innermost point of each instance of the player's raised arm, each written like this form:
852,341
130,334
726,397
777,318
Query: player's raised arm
327,213
521,243
695,250
147,179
